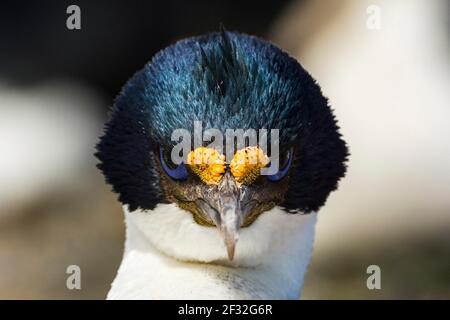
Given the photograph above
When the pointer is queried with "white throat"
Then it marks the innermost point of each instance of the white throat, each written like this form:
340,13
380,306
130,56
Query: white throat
169,256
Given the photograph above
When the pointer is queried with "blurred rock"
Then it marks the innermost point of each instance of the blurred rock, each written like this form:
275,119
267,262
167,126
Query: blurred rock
55,209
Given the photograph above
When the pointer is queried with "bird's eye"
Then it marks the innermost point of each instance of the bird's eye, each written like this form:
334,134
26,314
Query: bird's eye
285,165
176,172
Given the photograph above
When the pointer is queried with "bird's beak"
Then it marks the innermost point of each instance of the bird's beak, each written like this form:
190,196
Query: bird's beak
228,225
226,207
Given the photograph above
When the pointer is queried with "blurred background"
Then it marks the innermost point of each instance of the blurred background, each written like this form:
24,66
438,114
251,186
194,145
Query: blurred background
388,82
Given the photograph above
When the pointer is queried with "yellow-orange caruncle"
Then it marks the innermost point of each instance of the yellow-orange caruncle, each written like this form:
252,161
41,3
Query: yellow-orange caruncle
207,163
246,164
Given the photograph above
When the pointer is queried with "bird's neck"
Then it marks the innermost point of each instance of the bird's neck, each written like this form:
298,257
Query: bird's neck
272,267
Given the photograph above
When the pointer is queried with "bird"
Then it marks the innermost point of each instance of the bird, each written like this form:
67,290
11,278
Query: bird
49,120
215,227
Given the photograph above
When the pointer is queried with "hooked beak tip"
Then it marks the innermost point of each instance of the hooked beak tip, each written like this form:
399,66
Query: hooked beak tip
231,246
230,237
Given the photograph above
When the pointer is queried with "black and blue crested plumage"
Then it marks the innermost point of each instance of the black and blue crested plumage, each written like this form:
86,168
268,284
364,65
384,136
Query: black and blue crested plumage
234,82
227,81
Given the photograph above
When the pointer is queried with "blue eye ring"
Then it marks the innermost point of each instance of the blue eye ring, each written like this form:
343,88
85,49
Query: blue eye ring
282,172
178,173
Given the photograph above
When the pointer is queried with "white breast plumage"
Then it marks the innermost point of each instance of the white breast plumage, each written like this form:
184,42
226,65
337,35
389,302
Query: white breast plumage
169,256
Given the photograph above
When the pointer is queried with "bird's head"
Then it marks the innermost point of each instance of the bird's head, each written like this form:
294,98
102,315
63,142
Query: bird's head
221,82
